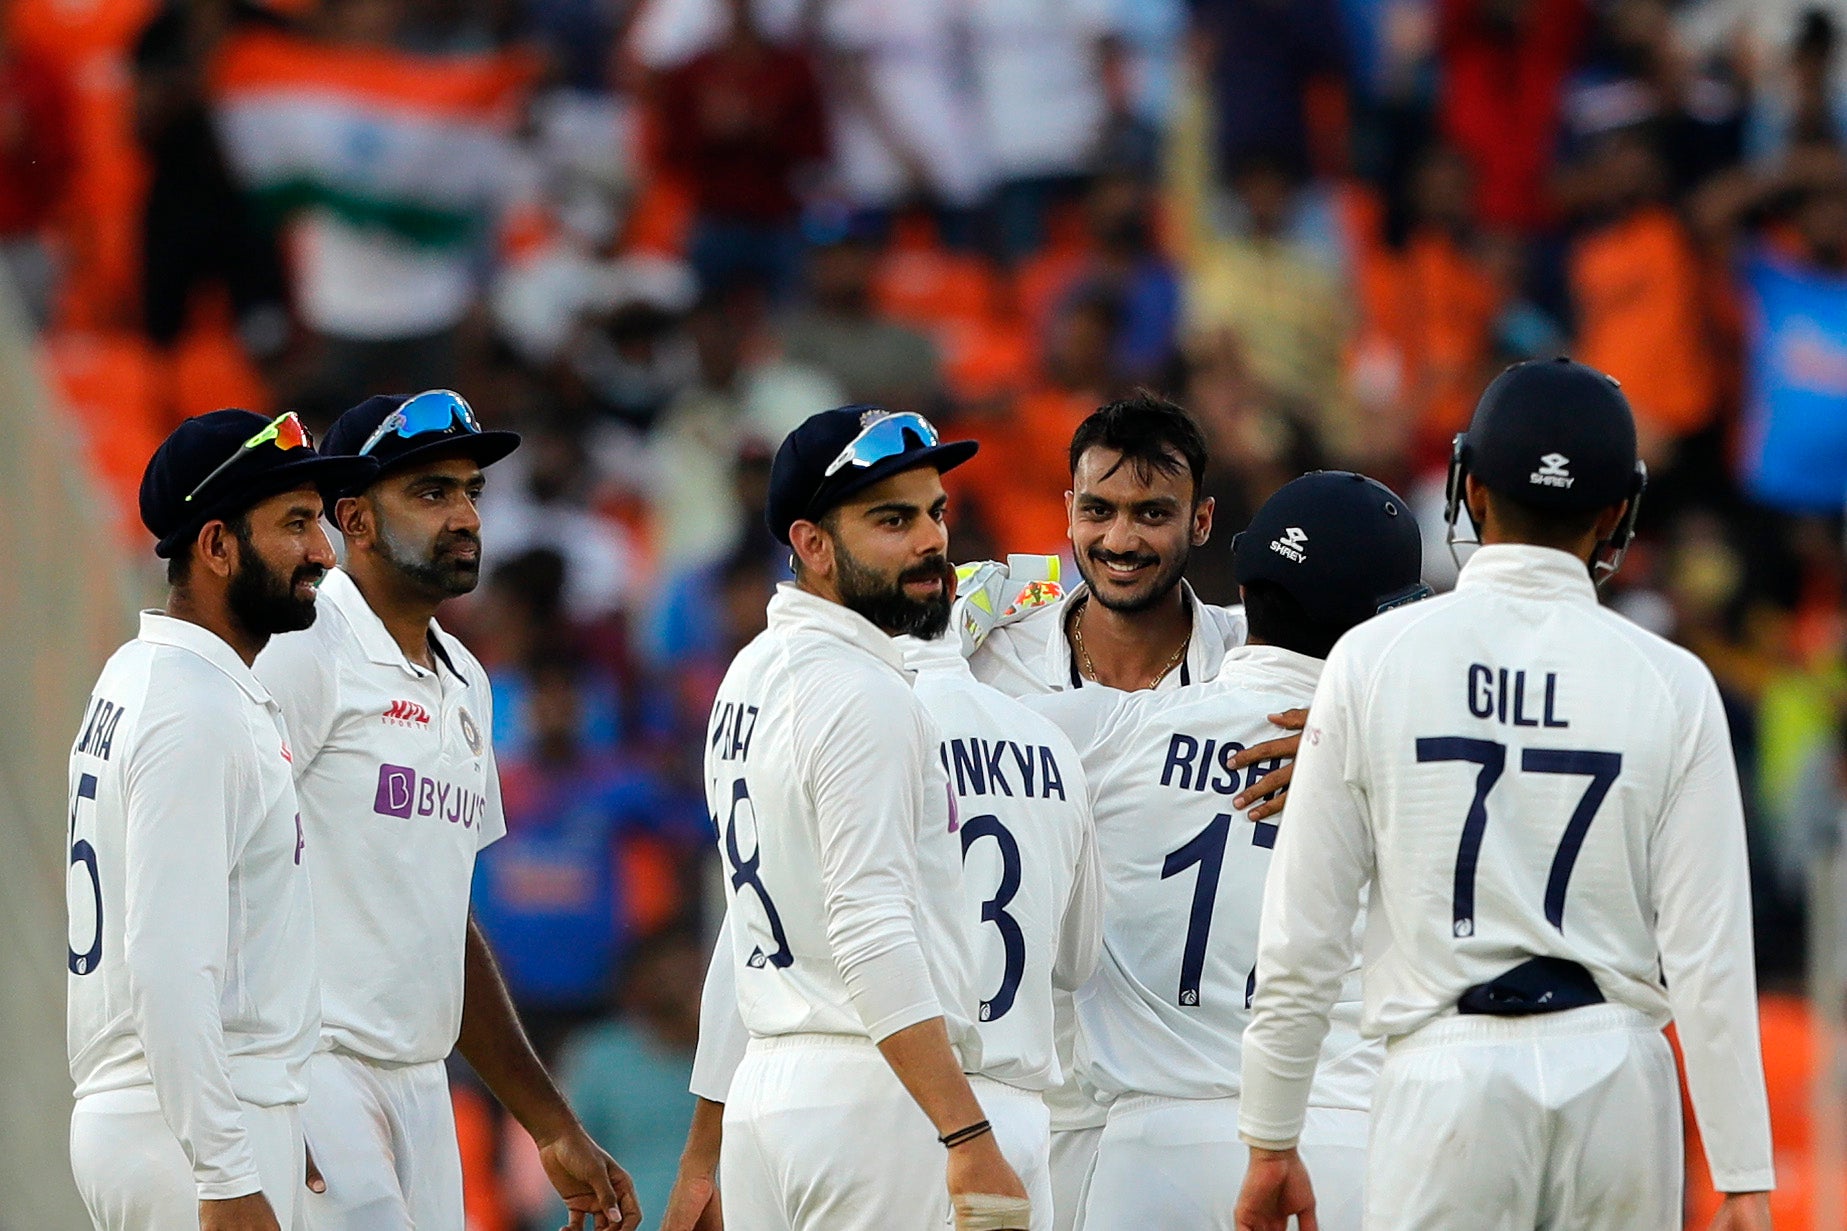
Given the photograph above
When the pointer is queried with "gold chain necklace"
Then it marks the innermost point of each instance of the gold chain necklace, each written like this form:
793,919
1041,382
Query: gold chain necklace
1090,668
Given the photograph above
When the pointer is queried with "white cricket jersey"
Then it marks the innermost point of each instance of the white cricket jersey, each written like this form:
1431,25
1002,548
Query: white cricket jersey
191,925
1032,655
833,816
398,787
1518,772
1183,875
1030,883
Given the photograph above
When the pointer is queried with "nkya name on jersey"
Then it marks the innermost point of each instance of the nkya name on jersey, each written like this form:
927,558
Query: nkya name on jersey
99,727
995,767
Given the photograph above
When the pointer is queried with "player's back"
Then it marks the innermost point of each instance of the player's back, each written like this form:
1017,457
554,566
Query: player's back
1030,893
1184,874
821,680
1518,746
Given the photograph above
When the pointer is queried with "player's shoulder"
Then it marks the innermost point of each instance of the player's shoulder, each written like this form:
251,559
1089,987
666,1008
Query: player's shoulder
1679,668
460,656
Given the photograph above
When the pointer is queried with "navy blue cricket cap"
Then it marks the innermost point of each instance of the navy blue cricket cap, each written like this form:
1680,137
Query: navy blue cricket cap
1555,435
1344,546
207,470
836,453
440,423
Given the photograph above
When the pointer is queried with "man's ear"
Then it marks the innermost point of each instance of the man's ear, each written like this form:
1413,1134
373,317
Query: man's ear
217,548
1202,521
354,516
813,547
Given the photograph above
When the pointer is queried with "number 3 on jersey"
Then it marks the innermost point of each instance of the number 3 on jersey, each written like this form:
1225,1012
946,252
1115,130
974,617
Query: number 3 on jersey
83,853
994,910
746,872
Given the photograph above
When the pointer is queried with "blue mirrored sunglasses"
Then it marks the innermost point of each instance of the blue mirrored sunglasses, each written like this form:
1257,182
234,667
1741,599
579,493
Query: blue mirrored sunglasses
437,410
882,438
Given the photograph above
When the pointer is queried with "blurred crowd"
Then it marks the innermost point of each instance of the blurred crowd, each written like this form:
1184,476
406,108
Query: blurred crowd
653,235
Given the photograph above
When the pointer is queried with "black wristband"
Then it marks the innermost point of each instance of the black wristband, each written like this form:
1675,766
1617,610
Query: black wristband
952,1140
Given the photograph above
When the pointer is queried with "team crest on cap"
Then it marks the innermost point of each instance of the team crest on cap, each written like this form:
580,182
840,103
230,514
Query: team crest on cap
869,417
1553,471
470,732
1293,545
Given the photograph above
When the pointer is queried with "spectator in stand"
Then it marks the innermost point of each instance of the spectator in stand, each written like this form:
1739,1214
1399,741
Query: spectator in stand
558,903
906,129
627,1076
38,145
1504,64
1429,300
1263,56
1804,104
1049,88
738,125
840,333
1794,455
1287,309
1117,258
1638,295
738,402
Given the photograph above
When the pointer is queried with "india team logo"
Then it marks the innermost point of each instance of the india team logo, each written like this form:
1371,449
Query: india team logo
470,732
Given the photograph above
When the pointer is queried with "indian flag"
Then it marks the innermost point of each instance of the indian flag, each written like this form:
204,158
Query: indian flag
414,145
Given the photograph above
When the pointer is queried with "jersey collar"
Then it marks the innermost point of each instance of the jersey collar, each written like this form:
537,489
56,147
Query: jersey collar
1205,652
370,632
159,628
793,608
944,655
1541,572
1273,660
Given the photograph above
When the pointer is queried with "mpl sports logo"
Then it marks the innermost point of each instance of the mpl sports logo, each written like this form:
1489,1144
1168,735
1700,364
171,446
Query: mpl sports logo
405,714
404,793
1553,472
1293,545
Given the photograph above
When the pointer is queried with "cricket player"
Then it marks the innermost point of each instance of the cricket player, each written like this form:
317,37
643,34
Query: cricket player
854,973
1542,799
1031,898
193,1006
390,718
1184,873
1136,514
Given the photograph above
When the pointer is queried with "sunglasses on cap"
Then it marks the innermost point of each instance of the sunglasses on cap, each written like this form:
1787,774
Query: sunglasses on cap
883,438
438,410
286,431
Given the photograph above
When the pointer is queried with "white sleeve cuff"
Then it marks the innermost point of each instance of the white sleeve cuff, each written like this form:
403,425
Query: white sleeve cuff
1271,1106
891,990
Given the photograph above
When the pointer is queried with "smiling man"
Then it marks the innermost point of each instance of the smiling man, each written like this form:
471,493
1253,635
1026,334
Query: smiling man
390,718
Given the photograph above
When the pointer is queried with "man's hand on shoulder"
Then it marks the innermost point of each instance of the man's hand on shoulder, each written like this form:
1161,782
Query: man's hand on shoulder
991,595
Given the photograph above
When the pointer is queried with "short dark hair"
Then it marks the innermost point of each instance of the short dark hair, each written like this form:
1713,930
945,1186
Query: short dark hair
1148,430
1275,617
1524,523
179,564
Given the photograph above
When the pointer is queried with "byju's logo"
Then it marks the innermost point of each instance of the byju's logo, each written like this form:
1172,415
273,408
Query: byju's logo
406,714
1552,472
1293,545
397,791
404,793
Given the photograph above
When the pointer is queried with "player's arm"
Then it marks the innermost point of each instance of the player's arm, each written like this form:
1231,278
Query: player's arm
1305,949
495,1045
1702,900
186,794
693,1204
1080,935
864,773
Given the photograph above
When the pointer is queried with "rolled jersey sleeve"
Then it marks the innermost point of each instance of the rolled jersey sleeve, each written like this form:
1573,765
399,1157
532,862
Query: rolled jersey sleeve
864,763
186,793
722,1034
1311,899
1702,895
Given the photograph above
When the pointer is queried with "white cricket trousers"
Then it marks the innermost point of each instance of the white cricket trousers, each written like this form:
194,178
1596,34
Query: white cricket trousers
1566,1120
1178,1163
1074,1150
383,1137
133,1175
820,1136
